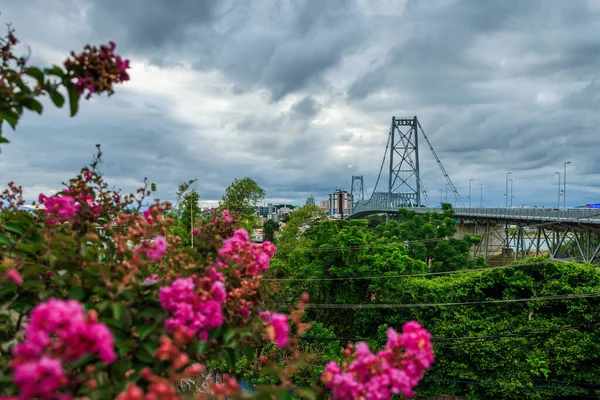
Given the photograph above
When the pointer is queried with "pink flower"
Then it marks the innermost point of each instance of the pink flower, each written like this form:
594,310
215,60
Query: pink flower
218,291
191,312
14,276
151,278
148,216
59,208
159,248
395,370
226,215
195,231
281,328
58,331
251,257
43,377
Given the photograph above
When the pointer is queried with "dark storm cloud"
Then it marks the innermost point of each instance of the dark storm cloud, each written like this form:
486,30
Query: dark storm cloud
283,46
151,25
306,89
306,108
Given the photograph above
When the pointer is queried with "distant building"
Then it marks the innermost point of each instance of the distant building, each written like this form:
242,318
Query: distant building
265,211
310,201
340,203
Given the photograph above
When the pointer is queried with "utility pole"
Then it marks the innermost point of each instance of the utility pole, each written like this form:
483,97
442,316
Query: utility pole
441,198
558,204
506,193
470,180
511,192
481,195
192,222
565,184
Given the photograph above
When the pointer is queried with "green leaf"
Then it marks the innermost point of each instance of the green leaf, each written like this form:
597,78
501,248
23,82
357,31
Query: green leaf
73,98
57,98
143,355
3,139
118,370
230,357
85,360
228,337
14,228
5,240
77,293
56,71
117,310
201,346
35,73
248,351
285,394
9,116
144,330
33,105
125,319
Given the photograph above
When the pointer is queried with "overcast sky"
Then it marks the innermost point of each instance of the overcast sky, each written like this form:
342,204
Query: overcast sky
299,95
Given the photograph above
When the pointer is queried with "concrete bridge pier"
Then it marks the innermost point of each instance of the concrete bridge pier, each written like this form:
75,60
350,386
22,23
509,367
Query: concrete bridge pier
494,238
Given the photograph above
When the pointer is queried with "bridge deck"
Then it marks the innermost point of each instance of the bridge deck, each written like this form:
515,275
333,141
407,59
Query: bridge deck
587,216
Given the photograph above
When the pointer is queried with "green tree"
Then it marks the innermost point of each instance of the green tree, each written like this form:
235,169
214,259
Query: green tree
430,238
241,197
186,211
269,229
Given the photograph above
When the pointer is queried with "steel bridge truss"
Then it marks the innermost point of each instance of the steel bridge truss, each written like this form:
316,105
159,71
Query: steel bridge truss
357,190
578,243
404,186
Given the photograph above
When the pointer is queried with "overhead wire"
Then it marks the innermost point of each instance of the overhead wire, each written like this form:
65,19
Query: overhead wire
458,271
566,388
465,303
468,338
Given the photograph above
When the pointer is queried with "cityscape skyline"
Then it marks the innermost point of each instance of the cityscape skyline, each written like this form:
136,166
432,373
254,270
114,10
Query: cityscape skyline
298,96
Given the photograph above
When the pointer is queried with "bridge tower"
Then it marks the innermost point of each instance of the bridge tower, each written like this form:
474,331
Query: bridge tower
357,190
404,185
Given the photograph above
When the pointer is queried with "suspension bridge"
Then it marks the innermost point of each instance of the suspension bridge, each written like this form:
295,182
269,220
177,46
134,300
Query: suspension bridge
561,233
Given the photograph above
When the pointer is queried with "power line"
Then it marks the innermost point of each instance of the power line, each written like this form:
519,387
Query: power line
566,388
467,338
365,246
408,275
375,306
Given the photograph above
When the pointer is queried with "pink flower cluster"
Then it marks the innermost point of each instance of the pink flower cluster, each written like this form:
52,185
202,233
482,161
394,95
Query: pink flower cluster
252,257
98,63
59,208
195,303
226,215
158,249
279,329
397,369
64,207
58,331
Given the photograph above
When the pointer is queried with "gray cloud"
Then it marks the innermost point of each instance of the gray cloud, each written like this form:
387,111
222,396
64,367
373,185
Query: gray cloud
293,93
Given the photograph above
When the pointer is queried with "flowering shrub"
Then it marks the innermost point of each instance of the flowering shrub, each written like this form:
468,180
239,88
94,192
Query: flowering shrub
93,71
98,301
397,369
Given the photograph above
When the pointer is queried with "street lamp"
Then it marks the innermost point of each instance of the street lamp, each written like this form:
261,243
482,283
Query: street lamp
511,192
558,204
481,195
506,193
470,180
447,192
565,184
441,198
